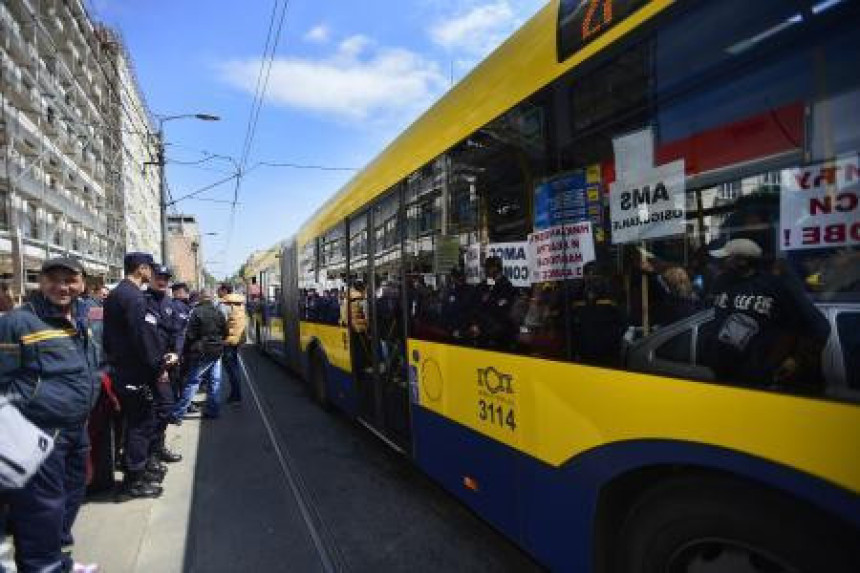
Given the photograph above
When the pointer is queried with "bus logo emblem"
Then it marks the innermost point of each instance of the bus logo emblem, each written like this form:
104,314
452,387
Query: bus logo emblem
494,381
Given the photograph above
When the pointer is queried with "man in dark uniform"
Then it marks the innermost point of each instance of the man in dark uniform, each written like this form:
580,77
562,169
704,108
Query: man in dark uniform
133,354
767,333
50,370
182,312
159,305
492,325
458,302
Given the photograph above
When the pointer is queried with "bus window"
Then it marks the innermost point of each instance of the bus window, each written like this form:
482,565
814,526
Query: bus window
745,245
327,299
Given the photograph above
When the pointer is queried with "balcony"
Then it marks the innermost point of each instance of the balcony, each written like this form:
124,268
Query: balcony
10,31
55,22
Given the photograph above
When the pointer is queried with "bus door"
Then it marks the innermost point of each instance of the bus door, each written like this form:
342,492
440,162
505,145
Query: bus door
358,317
387,325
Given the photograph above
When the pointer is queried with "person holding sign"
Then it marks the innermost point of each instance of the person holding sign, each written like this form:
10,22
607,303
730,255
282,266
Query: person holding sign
766,332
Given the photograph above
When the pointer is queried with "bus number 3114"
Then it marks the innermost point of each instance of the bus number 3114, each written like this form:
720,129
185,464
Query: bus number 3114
497,414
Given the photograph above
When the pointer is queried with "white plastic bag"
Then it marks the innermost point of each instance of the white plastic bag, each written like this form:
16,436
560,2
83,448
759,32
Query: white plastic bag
23,447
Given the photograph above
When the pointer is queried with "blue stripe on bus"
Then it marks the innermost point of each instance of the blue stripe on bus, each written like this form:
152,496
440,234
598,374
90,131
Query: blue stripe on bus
551,511
341,390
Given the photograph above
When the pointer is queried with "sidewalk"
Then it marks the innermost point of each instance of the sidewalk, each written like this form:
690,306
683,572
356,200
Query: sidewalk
225,508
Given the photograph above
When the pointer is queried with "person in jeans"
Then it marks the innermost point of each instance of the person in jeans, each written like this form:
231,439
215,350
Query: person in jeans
204,344
50,370
236,324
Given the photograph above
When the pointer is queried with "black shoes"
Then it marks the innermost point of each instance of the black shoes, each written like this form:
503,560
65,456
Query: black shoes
136,486
165,455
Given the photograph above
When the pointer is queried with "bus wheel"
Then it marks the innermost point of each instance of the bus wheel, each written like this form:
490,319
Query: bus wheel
714,525
318,379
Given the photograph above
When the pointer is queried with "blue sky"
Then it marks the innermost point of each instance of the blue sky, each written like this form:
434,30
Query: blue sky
347,78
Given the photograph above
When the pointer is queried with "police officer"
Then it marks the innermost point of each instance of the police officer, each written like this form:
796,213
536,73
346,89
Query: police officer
133,352
160,306
49,368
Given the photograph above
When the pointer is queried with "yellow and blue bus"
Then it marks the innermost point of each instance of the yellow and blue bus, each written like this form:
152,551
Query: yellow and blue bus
605,291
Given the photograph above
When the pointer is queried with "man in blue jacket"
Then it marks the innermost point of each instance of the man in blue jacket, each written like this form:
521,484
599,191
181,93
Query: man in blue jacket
136,358
49,368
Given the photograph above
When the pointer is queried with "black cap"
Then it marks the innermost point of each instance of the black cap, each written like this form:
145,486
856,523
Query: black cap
69,263
162,270
177,286
137,259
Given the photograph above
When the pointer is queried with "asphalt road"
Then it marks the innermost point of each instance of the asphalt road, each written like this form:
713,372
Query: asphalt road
364,506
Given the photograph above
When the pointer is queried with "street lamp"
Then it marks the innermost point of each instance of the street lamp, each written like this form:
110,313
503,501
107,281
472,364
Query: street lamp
165,256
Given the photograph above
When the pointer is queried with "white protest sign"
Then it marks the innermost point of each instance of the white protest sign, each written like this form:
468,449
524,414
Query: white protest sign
645,201
472,264
819,205
515,261
560,252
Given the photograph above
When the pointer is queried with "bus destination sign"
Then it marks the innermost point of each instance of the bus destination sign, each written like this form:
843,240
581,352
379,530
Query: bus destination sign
582,21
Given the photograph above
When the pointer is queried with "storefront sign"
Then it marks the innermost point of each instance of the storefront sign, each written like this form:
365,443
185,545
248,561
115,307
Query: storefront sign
515,261
645,202
820,204
561,252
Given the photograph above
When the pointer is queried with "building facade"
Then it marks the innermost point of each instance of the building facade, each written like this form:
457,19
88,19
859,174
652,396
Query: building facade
67,98
186,250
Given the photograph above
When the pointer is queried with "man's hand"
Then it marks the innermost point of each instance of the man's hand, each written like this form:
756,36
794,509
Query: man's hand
171,359
787,371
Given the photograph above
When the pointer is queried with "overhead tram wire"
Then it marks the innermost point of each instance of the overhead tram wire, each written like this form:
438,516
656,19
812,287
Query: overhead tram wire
264,74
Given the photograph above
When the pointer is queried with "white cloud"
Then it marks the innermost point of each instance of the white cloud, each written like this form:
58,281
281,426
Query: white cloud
318,34
476,30
358,82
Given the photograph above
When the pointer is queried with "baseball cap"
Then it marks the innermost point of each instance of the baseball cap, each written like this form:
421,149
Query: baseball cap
177,286
137,259
738,248
162,270
69,263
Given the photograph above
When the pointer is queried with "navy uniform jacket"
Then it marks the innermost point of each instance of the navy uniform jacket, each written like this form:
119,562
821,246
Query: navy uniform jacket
130,336
182,312
161,315
49,366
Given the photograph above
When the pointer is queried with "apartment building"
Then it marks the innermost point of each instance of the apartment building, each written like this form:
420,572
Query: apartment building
74,131
186,250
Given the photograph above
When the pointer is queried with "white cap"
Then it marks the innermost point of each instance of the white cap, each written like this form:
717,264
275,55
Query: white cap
738,248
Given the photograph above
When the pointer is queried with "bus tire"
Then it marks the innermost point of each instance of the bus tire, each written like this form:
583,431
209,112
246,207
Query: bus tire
714,523
317,378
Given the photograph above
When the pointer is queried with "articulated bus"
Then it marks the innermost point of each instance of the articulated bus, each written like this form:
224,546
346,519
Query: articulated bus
605,291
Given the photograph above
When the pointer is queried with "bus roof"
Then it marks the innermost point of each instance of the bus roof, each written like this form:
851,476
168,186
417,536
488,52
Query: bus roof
518,68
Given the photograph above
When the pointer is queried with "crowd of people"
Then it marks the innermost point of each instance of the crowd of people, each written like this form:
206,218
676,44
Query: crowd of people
75,362
763,317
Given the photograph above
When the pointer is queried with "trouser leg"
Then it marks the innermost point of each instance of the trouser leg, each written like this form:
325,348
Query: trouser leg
213,404
196,372
37,511
164,405
230,361
75,483
140,427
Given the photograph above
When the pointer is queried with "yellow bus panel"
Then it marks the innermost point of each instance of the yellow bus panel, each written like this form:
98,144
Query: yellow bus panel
334,341
554,410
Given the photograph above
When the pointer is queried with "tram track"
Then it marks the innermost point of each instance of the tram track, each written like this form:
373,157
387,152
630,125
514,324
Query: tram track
331,557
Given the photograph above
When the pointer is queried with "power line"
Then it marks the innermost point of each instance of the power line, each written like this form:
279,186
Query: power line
204,189
300,166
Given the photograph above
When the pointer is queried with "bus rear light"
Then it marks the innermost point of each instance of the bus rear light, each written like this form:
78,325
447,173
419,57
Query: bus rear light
470,483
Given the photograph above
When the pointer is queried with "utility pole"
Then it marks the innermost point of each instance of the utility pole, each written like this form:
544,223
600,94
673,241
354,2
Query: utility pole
162,187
